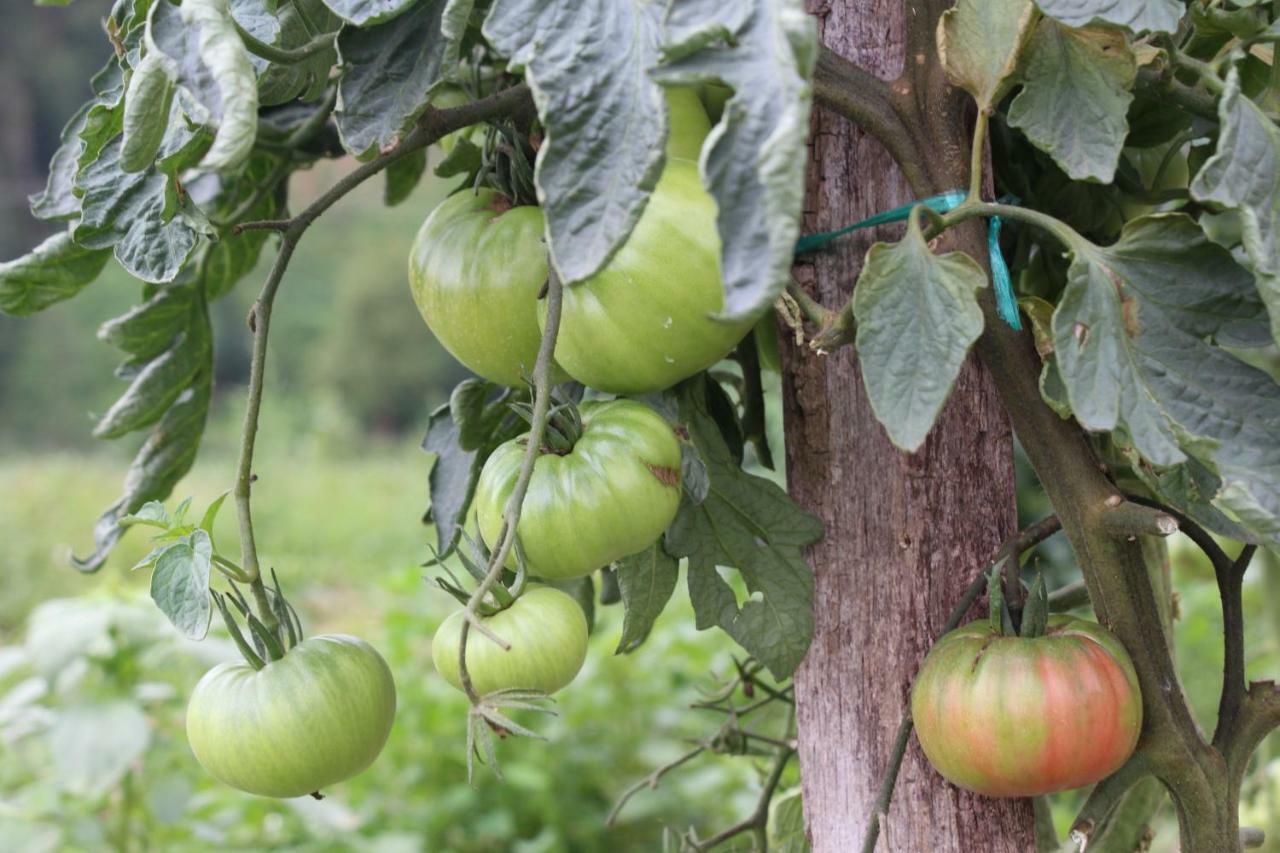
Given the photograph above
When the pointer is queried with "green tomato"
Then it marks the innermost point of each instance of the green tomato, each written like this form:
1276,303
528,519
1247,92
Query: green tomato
648,319
547,632
612,495
317,716
687,121
476,268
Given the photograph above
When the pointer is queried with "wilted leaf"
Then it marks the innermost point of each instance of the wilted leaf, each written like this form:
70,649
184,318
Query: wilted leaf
766,53
1075,98
225,56
917,317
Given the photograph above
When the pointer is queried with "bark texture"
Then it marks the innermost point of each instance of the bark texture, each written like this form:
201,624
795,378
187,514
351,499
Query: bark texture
905,533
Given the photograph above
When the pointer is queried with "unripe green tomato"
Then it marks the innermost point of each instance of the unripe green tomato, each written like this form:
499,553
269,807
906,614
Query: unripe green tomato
475,269
612,495
1020,717
648,319
317,716
547,632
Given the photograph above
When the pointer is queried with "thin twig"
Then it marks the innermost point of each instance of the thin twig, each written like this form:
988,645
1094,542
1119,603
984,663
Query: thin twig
1231,591
542,380
651,781
759,818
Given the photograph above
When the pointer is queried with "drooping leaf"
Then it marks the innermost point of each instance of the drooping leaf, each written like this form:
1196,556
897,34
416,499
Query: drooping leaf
391,70
57,200
1138,15
1135,336
55,270
365,13
979,43
147,101
224,55
1075,99
167,332
646,581
131,213
1244,175
917,316
403,176
749,524
587,65
766,53
292,26
180,584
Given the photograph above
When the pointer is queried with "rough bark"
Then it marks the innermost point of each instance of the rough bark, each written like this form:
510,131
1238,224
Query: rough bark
904,532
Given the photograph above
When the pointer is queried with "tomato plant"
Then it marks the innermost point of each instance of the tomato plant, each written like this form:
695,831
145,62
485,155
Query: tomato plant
547,632
1020,717
610,494
315,717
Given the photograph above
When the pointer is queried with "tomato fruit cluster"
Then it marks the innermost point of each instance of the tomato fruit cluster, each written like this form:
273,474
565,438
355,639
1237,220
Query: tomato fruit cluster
316,716
1020,717
647,320
547,632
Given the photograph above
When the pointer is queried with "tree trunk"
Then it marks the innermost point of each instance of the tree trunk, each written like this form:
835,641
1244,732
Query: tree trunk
904,533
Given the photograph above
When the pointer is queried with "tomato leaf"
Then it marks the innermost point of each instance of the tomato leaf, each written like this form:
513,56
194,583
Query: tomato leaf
751,163
1075,97
587,64
223,54
979,43
1244,175
364,13
1138,15
749,524
917,316
1134,339
403,176
583,591
180,584
290,27
55,270
646,581
391,70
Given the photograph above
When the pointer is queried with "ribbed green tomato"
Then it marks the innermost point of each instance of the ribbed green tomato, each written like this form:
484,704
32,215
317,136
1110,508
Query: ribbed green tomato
612,495
1020,717
476,267
317,716
647,320
546,630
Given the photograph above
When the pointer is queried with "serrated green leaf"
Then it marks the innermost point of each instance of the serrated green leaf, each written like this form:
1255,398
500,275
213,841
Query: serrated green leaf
749,524
646,581
130,213
365,13
180,584
391,70
587,65
55,270
57,200
1134,339
152,513
980,42
1244,175
754,165
1075,97
211,514
1138,15
224,54
917,316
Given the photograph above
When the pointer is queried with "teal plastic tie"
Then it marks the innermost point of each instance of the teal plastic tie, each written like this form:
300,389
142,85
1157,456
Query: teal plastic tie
1006,303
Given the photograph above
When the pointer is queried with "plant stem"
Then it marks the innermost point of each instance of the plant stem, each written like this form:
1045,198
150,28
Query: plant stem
976,154
430,127
284,55
533,446
651,781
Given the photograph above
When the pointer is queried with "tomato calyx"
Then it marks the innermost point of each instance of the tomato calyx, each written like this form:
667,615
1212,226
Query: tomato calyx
264,644
564,423
502,594
1032,622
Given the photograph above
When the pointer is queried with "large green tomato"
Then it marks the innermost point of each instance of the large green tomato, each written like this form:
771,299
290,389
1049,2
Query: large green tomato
317,716
612,495
647,320
475,269
546,630
1020,717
